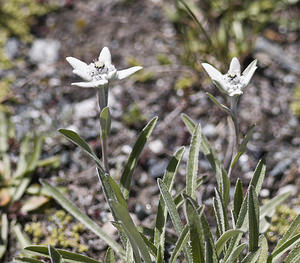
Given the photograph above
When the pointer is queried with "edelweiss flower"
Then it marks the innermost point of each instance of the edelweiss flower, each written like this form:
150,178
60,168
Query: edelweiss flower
233,82
99,73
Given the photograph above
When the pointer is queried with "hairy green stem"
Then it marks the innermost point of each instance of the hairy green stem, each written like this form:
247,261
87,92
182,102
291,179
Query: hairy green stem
102,95
235,134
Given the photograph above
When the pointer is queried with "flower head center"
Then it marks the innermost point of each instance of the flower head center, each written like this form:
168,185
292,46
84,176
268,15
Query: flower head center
98,70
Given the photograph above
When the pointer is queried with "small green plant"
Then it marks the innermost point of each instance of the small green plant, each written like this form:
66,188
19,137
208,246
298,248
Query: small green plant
15,179
295,104
64,232
16,19
240,222
223,28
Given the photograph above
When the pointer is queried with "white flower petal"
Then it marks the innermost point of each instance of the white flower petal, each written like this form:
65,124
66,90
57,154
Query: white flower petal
122,74
235,67
248,72
77,64
105,56
213,73
83,74
91,84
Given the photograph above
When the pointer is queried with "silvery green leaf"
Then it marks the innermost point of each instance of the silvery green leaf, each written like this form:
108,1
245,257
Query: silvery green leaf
192,166
221,106
105,121
55,257
28,260
161,216
67,255
253,219
237,199
109,257
3,234
235,253
263,244
221,242
84,219
133,157
181,241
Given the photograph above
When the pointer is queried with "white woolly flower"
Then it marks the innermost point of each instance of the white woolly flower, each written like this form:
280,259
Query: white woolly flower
233,82
99,73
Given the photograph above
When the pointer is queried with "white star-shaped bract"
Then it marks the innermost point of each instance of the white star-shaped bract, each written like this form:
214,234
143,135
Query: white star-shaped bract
233,82
99,73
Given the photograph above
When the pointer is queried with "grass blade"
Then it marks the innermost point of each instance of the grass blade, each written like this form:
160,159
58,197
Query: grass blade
133,157
84,219
67,255
192,166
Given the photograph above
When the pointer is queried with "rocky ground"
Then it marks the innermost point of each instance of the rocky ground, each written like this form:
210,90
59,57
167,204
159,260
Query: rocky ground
138,32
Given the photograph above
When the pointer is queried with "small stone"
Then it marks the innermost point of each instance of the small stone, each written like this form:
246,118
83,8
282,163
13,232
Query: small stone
12,48
85,109
209,130
281,167
264,193
126,149
141,212
157,169
293,189
44,51
156,146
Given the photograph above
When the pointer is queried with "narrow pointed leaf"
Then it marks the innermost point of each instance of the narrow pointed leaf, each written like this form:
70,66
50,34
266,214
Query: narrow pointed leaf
268,210
133,234
293,256
133,158
238,199
220,244
76,139
192,166
235,253
252,256
109,257
67,255
263,244
161,217
181,241
253,215
3,234
196,232
211,156
285,246
220,212
289,233
84,219
55,257
28,260
105,122
221,106
169,202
